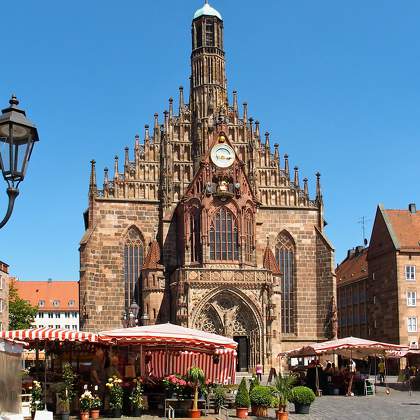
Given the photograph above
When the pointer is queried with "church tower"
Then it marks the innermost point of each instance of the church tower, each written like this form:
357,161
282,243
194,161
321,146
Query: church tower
208,76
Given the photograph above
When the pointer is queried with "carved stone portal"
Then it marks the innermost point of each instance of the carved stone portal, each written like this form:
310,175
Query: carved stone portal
229,315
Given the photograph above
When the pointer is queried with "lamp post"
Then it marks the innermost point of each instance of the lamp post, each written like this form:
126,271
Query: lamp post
17,138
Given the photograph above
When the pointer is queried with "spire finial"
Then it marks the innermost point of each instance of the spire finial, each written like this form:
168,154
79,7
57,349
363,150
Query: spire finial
318,186
305,187
296,179
286,165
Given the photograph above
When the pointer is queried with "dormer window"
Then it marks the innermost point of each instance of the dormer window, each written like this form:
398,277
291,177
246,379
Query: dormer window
41,303
56,303
71,302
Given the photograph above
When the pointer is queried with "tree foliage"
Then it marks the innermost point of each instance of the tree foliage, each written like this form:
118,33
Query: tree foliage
21,312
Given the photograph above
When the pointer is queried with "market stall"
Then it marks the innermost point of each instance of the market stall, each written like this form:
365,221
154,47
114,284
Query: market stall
344,379
166,349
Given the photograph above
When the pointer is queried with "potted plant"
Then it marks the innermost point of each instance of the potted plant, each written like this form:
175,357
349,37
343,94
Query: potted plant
36,398
302,397
283,387
136,398
85,404
219,397
196,377
67,392
242,400
116,395
261,397
96,405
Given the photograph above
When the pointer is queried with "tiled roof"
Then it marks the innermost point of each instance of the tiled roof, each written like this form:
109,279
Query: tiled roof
353,268
406,228
50,295
151,262
269,262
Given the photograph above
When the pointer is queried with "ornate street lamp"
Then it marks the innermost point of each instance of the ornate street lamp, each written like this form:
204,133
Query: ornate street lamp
129,318
17,138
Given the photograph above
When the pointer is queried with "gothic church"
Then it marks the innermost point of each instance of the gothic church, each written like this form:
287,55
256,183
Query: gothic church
207,227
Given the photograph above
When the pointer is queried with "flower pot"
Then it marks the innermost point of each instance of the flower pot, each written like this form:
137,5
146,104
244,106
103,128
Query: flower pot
33,414
65,416
302,408
94,414
242,412
254,410
282,415
261,411
194,414
84,415
116,413
136,411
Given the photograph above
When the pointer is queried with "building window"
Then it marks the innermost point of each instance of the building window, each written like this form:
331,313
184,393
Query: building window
50,315
133,261
1,305
41,303
57,314
209,34
412,324
410,272
224,236
67,327
249,236
57,327
67,315
71,302
50,326
411,298
74,327
285,256
195,232
74,314
40,314
1,282
56,303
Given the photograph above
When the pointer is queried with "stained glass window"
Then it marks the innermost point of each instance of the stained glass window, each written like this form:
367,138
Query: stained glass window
133,261
195,243
285,256
249,236
224,236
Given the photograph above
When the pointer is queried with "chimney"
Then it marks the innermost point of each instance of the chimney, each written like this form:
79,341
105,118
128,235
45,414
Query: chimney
412,208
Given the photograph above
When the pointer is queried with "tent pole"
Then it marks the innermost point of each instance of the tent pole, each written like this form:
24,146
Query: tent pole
45,377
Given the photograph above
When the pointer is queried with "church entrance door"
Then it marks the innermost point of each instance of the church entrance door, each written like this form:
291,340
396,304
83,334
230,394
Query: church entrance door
243,353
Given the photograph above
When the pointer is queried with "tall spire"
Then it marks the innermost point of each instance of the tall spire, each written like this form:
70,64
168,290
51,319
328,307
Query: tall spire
318,187
208,77
181,100
116,174
296,179
305,187
92,180
286,165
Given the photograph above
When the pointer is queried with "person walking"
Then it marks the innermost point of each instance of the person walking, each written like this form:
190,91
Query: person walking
259,371
381,371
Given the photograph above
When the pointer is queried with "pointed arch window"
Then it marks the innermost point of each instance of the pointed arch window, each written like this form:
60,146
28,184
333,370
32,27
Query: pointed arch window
224,236
133,262
249,236
195,233
285,256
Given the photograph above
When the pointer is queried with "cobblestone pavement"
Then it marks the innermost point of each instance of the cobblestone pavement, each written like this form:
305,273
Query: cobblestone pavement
399,405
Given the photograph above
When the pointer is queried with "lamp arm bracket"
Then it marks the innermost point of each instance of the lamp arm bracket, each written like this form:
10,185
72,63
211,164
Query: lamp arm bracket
12,194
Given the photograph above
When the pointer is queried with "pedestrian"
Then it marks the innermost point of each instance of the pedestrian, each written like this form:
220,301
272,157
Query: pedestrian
381,370
259,371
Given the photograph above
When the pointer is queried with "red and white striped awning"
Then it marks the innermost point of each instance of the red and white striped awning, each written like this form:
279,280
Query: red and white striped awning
168,334
221,369
49,334
346,347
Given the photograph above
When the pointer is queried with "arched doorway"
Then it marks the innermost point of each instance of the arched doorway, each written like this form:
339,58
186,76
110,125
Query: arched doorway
228,313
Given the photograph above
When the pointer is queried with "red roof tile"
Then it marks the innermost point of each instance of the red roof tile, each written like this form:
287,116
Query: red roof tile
151,262
353,268
269,262
56,295
406,228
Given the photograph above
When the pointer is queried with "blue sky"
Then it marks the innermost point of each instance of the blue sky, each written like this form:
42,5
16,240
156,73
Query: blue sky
336,83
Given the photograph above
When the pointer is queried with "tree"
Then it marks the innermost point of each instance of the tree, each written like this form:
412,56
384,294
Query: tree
21,312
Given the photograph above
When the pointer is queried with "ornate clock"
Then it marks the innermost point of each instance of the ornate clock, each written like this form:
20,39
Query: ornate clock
222,155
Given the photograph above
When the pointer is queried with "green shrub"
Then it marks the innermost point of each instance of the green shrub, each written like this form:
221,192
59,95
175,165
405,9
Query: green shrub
284,384
242,397
253,382
219,396
261,396
302,395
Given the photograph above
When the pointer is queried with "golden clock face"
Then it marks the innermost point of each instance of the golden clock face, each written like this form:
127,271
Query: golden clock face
222,155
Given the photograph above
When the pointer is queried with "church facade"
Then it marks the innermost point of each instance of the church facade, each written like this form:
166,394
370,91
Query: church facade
206,226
